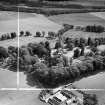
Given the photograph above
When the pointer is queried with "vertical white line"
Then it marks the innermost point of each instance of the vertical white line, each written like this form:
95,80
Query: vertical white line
18,54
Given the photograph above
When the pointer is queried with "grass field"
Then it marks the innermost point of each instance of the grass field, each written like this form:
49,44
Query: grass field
34,22
20,98
27,22
8,79
8,22
79,19
91,82
29,97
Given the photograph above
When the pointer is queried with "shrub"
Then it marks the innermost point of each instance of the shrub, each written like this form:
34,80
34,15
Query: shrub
38,34
27,33
68,27
58,45
52,34
90,99
95,28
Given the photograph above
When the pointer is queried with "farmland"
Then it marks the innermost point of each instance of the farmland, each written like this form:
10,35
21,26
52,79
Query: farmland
33,22
37,68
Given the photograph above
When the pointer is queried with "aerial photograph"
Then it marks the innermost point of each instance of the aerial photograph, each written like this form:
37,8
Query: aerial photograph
52,52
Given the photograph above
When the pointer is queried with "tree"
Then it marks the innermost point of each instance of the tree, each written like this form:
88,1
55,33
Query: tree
89,99
27,33
21,33
40,71
57,45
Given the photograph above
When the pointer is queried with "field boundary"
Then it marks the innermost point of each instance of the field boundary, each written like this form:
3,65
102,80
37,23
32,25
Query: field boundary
47,11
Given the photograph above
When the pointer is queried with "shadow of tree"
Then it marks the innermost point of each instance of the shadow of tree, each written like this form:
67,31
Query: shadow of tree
13,68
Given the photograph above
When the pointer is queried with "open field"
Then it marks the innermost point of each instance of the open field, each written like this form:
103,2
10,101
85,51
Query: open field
27,22
20,98
8,79
91,82
79,19
35,22
30,97
8,22
80,4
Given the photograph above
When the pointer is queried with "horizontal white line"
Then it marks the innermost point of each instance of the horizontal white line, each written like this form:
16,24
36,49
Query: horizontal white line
30,89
